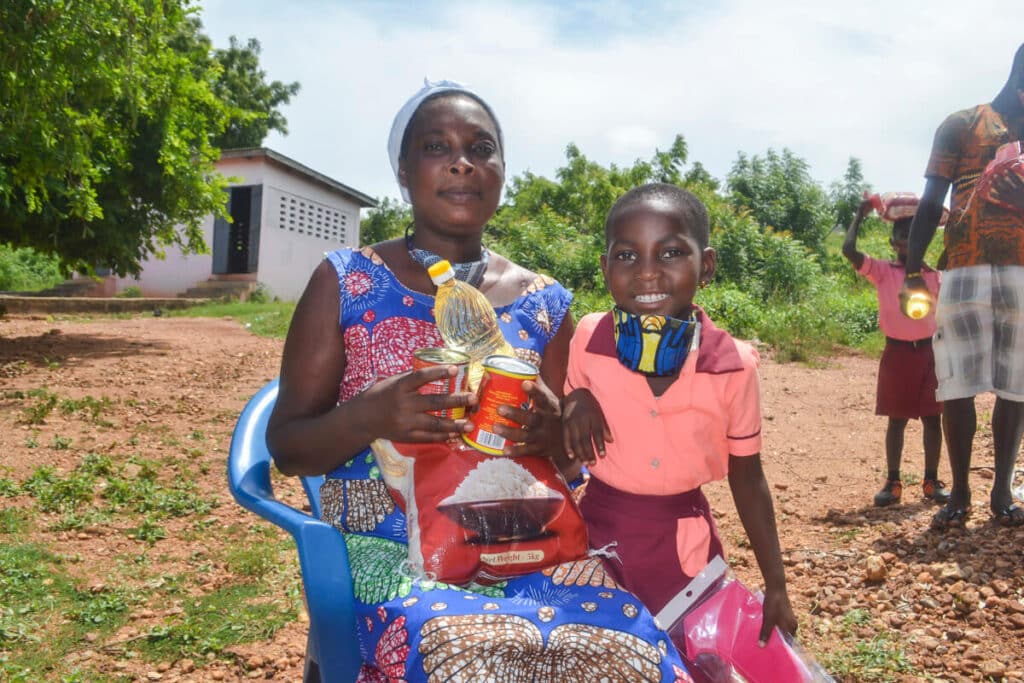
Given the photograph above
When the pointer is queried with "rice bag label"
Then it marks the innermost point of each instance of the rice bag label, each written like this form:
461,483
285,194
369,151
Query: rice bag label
476,516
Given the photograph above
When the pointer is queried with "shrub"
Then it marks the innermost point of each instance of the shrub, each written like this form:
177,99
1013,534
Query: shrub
26,270
130,292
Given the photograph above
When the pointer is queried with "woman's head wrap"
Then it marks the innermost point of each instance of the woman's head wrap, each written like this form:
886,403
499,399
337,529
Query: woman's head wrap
408,110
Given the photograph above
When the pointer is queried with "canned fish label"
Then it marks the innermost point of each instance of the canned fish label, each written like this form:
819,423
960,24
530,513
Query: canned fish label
425,358
501,384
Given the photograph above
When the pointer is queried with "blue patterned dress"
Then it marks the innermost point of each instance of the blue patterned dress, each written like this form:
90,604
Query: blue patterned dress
566,623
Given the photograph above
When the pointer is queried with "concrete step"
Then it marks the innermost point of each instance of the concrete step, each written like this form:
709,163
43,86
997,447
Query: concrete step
221,289
81,287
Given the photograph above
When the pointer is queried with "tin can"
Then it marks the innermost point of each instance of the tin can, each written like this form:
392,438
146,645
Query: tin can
429,357
501,384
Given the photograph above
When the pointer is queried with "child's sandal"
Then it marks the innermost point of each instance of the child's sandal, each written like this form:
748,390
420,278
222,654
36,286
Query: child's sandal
951,517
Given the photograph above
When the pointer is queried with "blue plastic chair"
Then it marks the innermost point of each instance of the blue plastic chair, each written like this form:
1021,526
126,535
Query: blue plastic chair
332,647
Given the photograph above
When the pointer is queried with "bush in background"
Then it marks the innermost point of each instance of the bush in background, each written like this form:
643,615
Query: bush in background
26,270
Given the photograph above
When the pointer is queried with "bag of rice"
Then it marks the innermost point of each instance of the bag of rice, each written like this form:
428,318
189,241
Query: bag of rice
894,206
1009,159
472,516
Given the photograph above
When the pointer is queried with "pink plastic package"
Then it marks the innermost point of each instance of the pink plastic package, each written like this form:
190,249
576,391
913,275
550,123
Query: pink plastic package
894,206
715,622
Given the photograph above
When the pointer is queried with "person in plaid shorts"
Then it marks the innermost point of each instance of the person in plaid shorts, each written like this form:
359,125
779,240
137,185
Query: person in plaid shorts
979,338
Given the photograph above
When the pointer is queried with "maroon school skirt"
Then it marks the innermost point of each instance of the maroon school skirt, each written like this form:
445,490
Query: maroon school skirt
906,380
644,531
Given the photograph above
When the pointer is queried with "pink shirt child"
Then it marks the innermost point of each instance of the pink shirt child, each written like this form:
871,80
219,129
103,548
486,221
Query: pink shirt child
887,277
682,439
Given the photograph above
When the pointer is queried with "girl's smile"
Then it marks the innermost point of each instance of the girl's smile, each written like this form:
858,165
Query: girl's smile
653,264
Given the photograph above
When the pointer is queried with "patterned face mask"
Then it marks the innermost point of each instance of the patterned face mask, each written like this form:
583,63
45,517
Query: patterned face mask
655,345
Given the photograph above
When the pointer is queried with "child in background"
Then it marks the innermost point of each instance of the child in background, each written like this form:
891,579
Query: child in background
906,373
660,401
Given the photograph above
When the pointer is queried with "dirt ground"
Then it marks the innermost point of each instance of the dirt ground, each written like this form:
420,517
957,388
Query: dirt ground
953,601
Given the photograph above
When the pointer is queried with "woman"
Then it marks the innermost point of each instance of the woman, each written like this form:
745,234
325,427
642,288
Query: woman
346,380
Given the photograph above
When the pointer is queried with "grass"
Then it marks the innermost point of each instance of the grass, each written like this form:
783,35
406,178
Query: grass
878,659
270,319
41,603
49,612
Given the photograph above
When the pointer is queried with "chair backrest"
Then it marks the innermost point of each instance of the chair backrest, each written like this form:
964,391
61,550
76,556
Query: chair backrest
333,645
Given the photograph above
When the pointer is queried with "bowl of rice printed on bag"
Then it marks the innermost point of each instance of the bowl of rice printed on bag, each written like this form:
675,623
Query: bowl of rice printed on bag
501,501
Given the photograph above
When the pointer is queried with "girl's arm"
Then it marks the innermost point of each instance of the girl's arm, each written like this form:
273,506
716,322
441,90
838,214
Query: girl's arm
309,433
850,243
754,505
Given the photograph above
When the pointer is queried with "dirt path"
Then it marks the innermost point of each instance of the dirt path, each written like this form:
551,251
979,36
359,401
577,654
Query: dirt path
953,602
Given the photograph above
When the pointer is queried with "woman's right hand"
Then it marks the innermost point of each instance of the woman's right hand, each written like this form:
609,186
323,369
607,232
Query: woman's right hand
402,412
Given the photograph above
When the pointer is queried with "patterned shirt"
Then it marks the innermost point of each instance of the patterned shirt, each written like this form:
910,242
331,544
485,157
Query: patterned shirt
978,231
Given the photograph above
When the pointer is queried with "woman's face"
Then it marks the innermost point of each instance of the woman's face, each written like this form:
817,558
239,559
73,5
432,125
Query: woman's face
453,168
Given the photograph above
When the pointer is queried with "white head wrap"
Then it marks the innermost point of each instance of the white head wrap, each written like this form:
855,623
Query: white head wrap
405,114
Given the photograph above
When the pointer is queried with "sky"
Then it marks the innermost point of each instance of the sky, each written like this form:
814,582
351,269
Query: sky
826,79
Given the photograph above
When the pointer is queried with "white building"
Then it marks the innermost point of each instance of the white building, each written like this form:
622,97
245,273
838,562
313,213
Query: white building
285,216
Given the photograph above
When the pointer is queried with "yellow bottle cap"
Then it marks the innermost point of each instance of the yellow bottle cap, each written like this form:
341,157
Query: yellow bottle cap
439,268
441,272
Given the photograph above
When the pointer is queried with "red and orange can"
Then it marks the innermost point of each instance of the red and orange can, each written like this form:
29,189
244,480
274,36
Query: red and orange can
501,384
429,357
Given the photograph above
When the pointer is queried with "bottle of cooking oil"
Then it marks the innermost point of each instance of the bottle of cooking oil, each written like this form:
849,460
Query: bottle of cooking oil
466,320
918,305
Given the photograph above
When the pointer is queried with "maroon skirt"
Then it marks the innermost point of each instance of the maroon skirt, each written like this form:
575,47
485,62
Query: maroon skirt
906,380
643,529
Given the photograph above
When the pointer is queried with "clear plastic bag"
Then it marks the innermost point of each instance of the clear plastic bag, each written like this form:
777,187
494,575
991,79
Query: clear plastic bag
715,622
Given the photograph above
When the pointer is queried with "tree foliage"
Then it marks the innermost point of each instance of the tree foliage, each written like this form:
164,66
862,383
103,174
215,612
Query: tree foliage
112,115
386,221
105,132
780,194
254,104
846,194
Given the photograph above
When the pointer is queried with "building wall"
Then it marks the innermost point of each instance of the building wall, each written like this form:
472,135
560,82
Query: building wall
300,221
175,273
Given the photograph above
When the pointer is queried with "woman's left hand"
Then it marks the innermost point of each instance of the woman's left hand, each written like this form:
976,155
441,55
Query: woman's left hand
541,431
777,612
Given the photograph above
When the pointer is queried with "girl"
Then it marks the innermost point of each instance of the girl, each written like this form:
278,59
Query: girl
346,380
660,401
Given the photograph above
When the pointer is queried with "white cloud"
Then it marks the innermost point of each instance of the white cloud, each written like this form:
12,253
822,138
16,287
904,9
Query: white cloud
828,79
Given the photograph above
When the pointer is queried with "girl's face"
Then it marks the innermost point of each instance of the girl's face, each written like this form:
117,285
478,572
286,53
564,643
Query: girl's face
653,265
453,169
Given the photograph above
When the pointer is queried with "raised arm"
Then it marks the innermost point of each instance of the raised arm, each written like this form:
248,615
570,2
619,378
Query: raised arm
850,243
309,431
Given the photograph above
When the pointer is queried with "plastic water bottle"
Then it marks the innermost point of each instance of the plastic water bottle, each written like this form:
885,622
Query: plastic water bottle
466,320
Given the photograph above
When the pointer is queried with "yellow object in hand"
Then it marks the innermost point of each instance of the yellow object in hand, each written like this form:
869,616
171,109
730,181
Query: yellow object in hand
918,305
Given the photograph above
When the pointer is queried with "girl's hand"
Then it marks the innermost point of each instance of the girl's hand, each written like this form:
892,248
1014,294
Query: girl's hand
584,428
776,611
402,411
540,433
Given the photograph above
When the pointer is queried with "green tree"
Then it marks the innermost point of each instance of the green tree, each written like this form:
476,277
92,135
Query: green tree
254,103
105,131
780,194
387,221
847,194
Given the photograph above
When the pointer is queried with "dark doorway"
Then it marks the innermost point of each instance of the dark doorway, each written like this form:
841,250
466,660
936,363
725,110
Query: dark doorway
236,245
